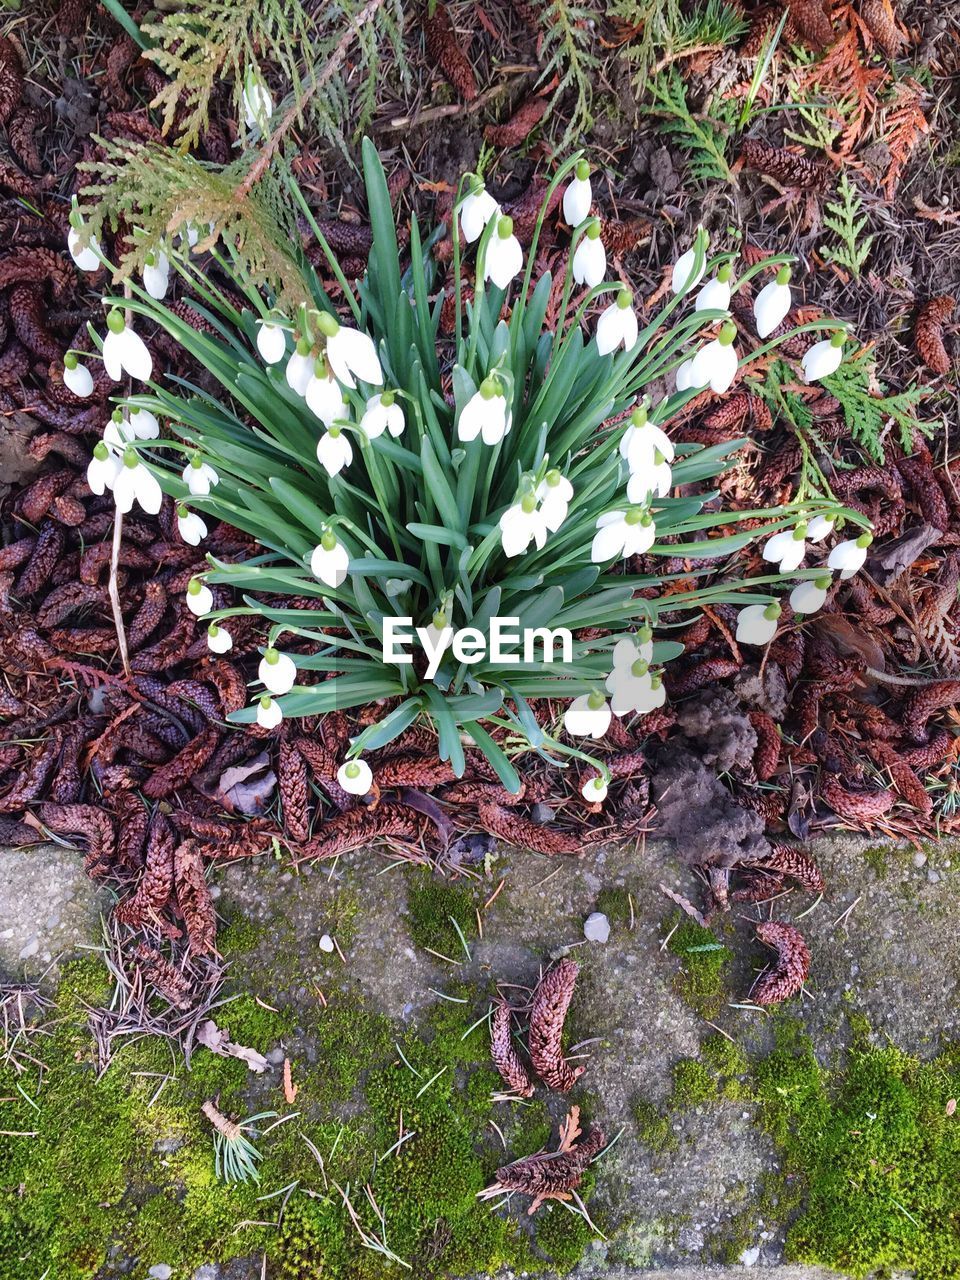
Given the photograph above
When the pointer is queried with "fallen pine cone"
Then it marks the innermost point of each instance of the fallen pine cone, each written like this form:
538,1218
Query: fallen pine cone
793,963
928,332
788,167
551,1175
550,1004
881,21
11,79
443,49
172,984
811,19
856,806
504,1054
517,129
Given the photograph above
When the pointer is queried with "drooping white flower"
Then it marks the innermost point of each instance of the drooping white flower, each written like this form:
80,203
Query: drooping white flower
382,414
819,527
594,790
809,596
141,424
627,652
649,479
156,274
485,414
300,367
191,527
350,353
134,483
787,548
588,716
823,358
684,278
356,777
271,342
125,352
103,468
849,556
683,378
269,713
715,365
476,210
190,235
635,691
590,257
623,533
504,257
643,440
76,376
219,639
617,326
578,196
522,524
324,397
330,560
772,303
757,623
198,476
334,451
199,597
715,294
257,102
278,671
554,493
85,255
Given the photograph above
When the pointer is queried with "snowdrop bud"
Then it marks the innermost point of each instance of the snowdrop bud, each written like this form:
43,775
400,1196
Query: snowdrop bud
300,366
76,376
324,397
156,274
772,303
588,716
199,597
141,423
269,714
123,351
198,476
823,358
809,596
219,640
103,469
330,560
849,556
683,377
271,342
257,102
617,325
504,259
522,524
623,533
757,623
715,294
716,364
191,527
578,196
476,210
278,671
590,258
683,275
356,777
819,527
86,256
486,414
594,790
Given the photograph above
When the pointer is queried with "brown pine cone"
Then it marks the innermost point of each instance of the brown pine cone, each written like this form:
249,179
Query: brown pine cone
85,820
184,766
793,963
294,791
623,237
518,128
856,806
443,50
193,898
904,778
928,332
11,79
504,1054
788,167
46,555
813,24
788,860
171,982
156,883
32,782
551,1001
22,132
766,758
881,21
552,1173
359,827
921,705
517,830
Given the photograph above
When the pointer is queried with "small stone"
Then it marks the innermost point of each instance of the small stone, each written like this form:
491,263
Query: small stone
542,813
750,1257
919,859
30,948
933,876
325,943
162,1271
596,927
209,1271
275,1057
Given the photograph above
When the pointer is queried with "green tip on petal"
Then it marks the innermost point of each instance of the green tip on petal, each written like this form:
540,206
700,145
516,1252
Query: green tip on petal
658,458
505,228
115,321
783,275
582,170
727,334
328,324
595,700
352,770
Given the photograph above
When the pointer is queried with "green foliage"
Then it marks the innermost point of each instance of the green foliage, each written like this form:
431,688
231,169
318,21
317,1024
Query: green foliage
702,982
653,1127
703,136
692,1085
567,53
615,903
666,29
869,411
442,916
843,216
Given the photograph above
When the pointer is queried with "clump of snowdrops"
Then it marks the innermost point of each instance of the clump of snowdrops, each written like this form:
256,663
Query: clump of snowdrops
514,471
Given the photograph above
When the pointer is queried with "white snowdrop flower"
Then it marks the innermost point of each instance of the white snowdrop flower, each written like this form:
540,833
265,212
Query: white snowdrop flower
117,434
588,716
757,623
219,639
485,414
715,365
849,556
522,524
76,376
356,777
504,257
590,257
269,714
350,353
617,326
300,367
787,548
134,483
809,596
271,342
103,468
190,235
85,255
125,352
476,210
324,397
823,358
623,533
334,451
278,671
578,196
683,378
439,632
156,274
627,652
635,691
819,527
199,597
330,560
141,423
643,440
199,476
257,102
382,414
554,493
683,272
772,303
594,790
650,480
191,527
715,294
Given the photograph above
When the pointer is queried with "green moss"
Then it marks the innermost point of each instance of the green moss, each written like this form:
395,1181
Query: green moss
563,1236
615,905
653,1127
693,1084
729,1063
705,961
437,909
877,859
